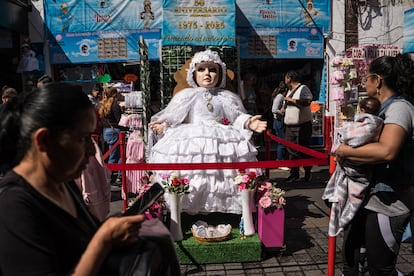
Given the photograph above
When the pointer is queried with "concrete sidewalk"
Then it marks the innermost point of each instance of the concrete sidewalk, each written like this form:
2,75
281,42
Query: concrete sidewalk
306,239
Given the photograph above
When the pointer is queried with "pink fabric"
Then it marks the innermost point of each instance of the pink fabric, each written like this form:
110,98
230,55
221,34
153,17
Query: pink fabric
94,184
338,93
134,154
124,121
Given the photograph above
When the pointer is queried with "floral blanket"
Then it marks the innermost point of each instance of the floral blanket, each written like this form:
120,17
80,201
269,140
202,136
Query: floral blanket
347,186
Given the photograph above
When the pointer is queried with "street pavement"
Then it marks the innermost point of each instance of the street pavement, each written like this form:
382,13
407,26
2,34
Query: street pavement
306,239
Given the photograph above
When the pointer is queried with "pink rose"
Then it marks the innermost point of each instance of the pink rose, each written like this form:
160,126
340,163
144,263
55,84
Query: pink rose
242,186
282,201
265,202
245,178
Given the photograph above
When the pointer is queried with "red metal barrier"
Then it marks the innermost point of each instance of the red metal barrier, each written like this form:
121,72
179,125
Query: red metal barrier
317,158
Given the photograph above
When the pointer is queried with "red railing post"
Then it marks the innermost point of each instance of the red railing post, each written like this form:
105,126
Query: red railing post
267,146
331,239
122,151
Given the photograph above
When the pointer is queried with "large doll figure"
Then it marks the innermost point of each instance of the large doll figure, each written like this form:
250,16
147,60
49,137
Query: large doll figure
206,124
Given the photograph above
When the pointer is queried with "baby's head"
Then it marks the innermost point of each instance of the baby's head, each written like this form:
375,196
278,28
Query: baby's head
206,59
370,105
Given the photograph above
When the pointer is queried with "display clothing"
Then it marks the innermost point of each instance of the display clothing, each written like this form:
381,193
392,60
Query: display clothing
198,132
134,154
37,237
278,124
347,186
94,185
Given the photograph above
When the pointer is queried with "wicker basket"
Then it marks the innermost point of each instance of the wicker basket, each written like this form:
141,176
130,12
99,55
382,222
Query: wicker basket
212,239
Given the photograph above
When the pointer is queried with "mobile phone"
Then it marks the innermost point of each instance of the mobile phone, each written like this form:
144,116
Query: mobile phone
145,201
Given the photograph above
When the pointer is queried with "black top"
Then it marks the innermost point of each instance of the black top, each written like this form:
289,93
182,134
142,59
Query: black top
36,236
112,118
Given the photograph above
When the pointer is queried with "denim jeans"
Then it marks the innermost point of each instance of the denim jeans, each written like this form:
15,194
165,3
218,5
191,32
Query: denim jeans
280,132
110,136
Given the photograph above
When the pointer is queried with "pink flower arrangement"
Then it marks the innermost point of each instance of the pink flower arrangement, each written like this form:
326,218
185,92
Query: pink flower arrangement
174,184
156,210
270,196
246,181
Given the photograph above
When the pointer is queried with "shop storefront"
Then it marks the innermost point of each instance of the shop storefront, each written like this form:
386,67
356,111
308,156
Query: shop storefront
259,38
13,27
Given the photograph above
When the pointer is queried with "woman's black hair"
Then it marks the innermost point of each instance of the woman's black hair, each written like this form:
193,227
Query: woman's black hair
280,89
294,75
397,73
55,107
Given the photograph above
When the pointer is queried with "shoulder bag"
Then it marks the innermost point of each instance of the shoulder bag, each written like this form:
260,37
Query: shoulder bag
292,113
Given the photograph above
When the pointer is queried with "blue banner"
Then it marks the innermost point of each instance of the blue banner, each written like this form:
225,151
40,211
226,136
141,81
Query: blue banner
90,31
98,47
284,13
408,40
74,16
199,22
281,43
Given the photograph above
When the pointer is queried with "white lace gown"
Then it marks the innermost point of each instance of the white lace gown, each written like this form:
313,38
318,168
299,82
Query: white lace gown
196,135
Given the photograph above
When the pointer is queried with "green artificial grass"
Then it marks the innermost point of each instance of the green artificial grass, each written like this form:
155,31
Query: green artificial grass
232,250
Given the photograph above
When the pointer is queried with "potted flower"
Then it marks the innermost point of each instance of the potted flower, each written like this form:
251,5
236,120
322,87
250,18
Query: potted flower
271,214
173,184
247,187
270,197
176,187
158,208
246,180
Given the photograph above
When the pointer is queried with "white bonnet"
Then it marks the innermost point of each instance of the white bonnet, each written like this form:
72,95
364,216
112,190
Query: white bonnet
206,55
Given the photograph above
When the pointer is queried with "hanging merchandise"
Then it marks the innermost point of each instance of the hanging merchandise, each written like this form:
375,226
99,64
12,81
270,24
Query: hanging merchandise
344,91
105,78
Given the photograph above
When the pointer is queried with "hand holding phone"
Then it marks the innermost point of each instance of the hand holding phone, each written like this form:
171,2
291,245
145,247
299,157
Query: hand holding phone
145,201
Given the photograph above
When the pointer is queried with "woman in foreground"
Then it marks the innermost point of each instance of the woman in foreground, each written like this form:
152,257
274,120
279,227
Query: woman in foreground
46,134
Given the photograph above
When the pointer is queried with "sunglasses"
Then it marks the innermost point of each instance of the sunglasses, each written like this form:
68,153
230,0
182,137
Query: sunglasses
365,79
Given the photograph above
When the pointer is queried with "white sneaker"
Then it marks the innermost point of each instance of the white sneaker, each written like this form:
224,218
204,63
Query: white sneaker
283,168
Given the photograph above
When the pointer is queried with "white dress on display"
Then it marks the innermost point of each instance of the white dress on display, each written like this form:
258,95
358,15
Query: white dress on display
205,125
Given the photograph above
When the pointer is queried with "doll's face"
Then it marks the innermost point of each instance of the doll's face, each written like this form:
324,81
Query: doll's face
207,74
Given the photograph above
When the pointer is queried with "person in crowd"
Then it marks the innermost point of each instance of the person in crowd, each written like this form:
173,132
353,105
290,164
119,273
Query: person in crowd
44,230
206,123
278,96
110,113
249,93
379,225
298,120
45,79
348,185
8,94
95,95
